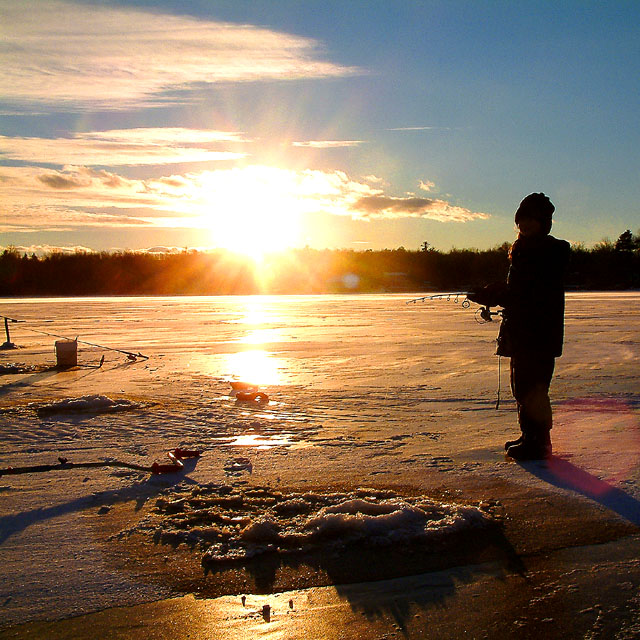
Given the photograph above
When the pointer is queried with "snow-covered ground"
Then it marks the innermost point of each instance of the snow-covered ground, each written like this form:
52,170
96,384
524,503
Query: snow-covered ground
363,390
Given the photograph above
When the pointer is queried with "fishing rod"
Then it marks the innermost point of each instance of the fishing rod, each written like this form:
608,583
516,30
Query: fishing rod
466,303
483,313
130,354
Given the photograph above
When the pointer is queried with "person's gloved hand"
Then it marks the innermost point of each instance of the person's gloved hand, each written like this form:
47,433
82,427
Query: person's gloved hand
489,295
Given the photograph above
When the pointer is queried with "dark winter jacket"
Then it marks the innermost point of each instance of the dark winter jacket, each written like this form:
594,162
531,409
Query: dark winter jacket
533,299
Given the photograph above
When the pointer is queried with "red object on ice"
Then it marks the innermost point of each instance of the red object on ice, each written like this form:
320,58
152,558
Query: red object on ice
186,453
165,468
176,457
252,396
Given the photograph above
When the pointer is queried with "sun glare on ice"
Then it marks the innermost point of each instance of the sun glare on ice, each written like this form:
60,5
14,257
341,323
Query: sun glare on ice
255,366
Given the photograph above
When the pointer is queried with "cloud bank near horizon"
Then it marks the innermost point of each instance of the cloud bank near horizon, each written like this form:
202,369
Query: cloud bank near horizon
48,249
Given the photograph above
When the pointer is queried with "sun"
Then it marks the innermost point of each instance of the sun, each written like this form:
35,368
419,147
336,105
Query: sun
252,210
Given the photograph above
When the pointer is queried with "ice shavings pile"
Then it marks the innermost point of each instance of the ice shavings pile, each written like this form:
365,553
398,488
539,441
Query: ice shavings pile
234,525
86,404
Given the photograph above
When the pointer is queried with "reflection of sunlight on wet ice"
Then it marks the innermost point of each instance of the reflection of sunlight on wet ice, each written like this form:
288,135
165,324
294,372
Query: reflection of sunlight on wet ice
261,441
254,313
261,336
256,366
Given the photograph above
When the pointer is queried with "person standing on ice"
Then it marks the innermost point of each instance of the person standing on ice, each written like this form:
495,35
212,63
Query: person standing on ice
532,329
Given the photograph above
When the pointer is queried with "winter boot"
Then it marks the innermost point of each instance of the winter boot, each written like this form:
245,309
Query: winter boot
531,448
510,443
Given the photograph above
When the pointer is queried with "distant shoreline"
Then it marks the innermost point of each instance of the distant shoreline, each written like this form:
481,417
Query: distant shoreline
294,272
345,294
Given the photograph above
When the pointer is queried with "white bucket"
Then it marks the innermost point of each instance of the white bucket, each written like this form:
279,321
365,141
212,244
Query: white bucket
67,353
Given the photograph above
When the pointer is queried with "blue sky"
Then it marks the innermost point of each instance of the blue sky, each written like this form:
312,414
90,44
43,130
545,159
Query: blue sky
258,125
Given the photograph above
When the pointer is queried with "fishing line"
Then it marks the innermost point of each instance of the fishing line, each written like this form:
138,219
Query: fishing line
482,315
130,354
499,381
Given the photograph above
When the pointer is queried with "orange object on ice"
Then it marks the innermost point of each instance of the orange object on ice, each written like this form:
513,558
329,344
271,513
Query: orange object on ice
252,396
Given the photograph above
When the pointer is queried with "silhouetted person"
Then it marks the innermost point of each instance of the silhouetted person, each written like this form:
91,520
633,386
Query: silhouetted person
532,328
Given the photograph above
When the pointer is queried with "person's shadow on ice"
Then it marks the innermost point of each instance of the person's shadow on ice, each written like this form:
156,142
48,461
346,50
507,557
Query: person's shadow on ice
565,475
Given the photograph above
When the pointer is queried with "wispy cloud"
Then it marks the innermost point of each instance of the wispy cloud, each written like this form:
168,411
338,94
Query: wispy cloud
83,196
58,51
328,144
418,128
151,146
373,179
34,218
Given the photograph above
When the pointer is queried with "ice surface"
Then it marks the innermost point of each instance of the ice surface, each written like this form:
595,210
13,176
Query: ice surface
361,388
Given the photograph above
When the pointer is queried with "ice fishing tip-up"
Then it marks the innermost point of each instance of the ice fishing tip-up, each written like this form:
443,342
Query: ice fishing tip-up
8,344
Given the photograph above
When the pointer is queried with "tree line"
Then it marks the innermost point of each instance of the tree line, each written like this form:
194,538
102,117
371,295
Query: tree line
608,265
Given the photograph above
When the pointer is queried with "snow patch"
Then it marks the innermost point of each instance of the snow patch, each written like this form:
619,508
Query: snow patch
235,525
15,367
86,404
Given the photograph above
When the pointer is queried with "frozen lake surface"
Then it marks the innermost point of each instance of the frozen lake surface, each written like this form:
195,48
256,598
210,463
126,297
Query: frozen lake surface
361,388
333,366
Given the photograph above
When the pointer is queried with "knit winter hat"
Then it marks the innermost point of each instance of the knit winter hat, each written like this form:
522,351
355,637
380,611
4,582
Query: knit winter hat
538,206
